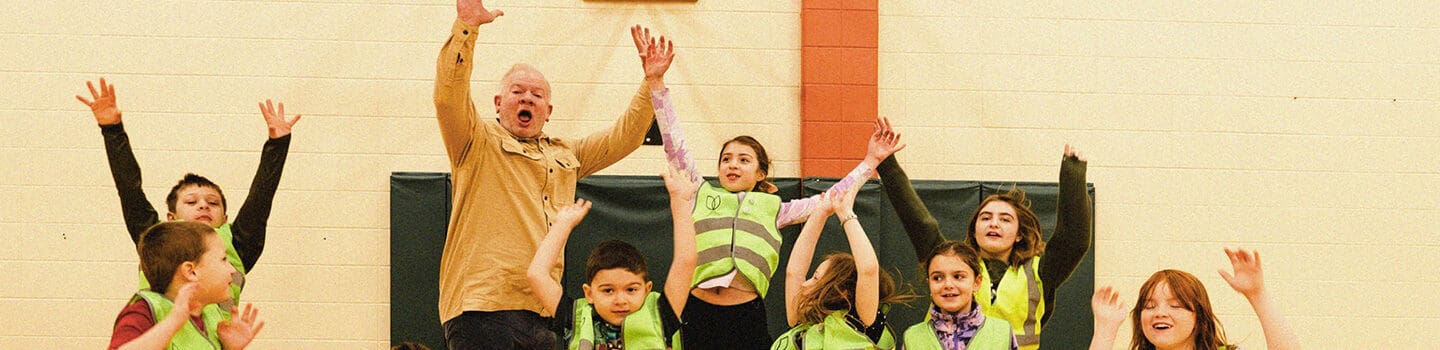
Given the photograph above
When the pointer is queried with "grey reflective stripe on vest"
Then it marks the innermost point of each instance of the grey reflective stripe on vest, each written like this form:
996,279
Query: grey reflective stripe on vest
749,227
721,252
739,227
1031,336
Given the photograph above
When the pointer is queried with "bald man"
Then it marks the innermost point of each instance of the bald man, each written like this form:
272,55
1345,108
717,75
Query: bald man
509,178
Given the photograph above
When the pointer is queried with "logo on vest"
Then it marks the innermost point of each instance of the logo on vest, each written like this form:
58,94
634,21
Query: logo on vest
712,202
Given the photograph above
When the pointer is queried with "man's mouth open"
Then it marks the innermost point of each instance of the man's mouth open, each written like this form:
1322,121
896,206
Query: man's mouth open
525,117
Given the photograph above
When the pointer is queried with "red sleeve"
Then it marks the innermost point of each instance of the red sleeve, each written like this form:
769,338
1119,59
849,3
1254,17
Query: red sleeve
133,321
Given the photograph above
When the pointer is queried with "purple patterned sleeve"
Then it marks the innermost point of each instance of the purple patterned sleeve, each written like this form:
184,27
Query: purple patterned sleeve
673,138
796,211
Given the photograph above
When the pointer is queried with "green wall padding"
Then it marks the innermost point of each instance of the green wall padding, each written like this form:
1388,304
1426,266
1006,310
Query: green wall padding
636,209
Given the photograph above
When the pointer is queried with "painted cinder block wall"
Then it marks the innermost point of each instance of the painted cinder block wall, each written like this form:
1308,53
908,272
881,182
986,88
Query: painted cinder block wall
1306,130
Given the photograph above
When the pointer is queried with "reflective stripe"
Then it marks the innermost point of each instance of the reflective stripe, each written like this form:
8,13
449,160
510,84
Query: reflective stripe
756,260
740,226
1027,339
1018,298
736,232
1032,333
713,254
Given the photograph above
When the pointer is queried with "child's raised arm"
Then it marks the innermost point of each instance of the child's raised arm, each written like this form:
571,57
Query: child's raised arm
867,266
801,255
1249,280
137,211
883,143
252,221
1109,313
681,186
543,286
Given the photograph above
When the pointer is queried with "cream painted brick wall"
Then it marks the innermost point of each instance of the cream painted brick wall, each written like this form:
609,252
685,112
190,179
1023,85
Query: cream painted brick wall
1297,128
1306,130
188,74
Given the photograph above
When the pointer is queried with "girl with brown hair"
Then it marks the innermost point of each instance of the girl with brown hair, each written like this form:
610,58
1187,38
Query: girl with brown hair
1173,311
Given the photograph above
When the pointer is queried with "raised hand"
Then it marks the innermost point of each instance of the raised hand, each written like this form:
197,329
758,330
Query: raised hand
844,203
1074,152
241,328
275,119
1248,278
884,142
570,215
103,104
185,299
655,54
680,184
824,207
1109,311
473,12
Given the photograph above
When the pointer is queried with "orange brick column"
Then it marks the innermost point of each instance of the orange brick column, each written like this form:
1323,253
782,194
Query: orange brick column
839,41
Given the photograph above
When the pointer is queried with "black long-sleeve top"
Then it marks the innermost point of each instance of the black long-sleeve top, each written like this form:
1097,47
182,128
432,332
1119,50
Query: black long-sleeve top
248,228
1063,252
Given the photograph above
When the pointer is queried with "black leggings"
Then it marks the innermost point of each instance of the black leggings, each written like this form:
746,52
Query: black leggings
510,329
707,326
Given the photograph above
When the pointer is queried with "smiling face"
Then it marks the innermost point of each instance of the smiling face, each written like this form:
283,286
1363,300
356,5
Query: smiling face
1174,312
740,167
952,283
523,102
200,204
616,293
1165,320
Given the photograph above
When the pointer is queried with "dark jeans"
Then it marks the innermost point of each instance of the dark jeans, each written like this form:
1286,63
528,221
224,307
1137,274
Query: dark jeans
510,329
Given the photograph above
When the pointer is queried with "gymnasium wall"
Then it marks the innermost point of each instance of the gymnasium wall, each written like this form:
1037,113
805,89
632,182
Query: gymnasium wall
1306,130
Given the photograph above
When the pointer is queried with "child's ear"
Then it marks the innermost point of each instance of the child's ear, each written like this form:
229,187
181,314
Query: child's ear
187,271
170,216
586,288
649,286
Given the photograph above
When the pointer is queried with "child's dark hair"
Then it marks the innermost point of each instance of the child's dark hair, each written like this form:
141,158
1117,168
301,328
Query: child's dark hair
835,291
191,180
410,346
957,249
761,158
612,254
166,245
